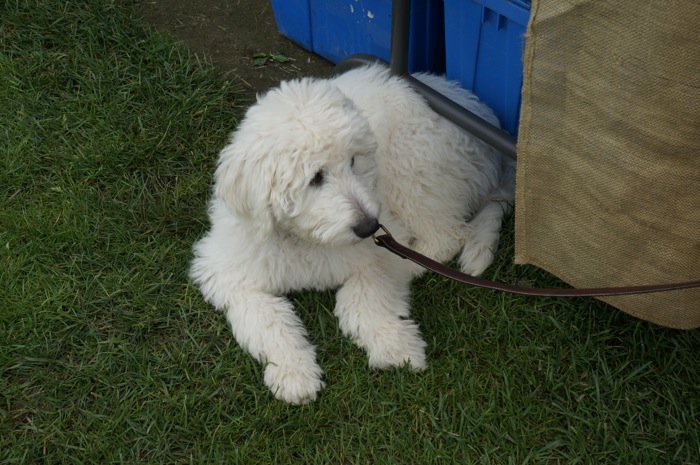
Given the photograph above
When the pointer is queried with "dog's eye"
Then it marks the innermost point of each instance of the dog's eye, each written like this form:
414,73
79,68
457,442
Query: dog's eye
317,179
352,162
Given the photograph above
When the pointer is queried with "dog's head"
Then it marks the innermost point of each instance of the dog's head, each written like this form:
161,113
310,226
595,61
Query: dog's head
302,163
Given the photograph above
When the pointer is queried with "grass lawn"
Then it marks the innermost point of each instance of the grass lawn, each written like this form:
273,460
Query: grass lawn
108,137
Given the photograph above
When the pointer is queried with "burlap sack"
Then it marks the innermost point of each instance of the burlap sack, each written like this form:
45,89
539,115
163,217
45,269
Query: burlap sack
608,186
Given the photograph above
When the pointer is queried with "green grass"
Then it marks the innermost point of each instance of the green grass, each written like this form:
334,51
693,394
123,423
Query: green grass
108,137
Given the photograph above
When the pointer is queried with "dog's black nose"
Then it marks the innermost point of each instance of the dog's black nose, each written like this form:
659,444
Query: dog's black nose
366,227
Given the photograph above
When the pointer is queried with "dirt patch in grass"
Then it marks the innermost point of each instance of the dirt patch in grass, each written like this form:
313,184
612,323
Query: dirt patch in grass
231,33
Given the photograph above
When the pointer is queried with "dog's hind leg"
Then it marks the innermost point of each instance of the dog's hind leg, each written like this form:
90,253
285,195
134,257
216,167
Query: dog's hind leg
482,239
373,309
483,230
267,327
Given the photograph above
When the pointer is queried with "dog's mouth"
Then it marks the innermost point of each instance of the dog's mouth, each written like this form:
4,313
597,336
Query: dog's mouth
366,227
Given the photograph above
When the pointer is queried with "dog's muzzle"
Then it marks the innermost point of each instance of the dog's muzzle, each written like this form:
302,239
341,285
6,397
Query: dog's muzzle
366,227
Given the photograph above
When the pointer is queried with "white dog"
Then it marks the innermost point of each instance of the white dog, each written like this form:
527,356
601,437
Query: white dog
306,177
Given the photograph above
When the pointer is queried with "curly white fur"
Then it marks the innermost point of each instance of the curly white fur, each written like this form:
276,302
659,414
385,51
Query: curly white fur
300,186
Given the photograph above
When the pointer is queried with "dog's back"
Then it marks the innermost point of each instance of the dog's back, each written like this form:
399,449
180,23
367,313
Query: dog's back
437,179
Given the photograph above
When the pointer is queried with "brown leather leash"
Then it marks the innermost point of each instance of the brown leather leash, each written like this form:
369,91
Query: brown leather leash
388,242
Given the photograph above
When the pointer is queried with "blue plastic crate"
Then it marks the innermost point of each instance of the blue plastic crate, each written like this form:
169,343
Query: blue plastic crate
336,29
484,43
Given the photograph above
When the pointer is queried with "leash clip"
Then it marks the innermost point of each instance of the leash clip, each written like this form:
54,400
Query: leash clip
386,231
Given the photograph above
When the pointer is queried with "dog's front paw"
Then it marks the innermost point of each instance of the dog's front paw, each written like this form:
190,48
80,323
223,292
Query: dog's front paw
294,384
397,346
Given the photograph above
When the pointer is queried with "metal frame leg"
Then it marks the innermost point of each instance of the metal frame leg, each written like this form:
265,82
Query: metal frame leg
400,30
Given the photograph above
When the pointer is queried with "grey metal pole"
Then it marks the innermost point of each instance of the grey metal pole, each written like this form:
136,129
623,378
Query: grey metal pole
443,106
400,29
400,34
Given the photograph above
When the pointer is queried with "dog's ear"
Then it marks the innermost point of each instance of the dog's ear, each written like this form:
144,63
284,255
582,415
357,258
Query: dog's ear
243,182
